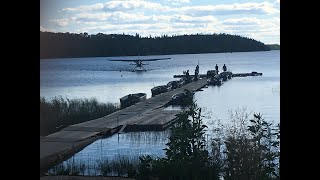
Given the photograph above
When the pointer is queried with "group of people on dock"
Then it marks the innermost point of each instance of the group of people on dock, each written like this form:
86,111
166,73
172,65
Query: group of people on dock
224,67
196,73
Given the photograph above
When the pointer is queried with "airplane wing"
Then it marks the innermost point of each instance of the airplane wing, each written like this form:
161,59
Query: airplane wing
155,59
132,60
123,60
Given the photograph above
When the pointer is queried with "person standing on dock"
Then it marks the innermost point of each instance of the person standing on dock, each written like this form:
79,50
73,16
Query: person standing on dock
217,68
224,67
188,78
196,73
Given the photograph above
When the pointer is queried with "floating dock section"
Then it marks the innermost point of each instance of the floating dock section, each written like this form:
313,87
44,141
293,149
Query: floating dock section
145,115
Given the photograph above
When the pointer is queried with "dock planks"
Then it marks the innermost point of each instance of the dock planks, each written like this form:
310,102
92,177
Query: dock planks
56,147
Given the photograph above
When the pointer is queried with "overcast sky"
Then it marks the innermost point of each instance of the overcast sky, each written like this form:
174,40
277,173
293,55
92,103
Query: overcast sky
257,19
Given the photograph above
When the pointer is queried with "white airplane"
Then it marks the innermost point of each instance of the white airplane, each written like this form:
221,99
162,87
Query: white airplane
139,62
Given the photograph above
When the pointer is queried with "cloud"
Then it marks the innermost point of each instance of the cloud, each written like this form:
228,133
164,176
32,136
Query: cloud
177,2
155,29
241,21
229,9
241,24
93,7
161,18
91,17
136,18
116,18
42,29
190,19
119,6
255,20
266,30
87,23
130,5
61,22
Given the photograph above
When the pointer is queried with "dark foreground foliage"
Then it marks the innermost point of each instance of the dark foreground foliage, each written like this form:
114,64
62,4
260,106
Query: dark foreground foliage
252,154
245,149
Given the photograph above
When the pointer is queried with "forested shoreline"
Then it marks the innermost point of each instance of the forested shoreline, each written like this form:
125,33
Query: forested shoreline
274,46
72,45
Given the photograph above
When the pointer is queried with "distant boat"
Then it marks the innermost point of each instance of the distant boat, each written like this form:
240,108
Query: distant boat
132,99
215,81
174,84
225,75
182,98
211,73
159,89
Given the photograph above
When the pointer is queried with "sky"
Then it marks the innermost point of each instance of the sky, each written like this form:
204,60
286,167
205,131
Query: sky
257,19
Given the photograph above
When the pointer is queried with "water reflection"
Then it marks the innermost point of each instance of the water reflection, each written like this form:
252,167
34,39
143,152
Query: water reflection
129,145
133,143
147,137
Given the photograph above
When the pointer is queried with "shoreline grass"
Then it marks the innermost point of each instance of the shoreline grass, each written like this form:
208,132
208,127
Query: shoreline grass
60,112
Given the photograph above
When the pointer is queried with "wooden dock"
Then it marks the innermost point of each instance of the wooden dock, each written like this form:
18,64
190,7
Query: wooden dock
147,115
233,75
181,76
151,113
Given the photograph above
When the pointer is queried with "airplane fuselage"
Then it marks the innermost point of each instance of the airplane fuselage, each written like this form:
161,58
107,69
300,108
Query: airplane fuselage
139,63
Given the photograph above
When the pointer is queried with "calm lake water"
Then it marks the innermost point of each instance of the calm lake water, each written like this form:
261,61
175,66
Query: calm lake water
108,81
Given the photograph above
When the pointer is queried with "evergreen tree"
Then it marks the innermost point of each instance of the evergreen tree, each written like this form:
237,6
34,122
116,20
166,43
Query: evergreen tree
186,154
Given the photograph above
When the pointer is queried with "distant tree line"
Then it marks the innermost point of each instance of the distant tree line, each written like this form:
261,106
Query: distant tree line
67,45
274,46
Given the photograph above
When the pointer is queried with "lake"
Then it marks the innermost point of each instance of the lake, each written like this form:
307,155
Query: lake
109,80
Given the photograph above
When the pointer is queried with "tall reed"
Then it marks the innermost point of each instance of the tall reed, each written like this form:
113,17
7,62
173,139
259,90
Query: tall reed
58,113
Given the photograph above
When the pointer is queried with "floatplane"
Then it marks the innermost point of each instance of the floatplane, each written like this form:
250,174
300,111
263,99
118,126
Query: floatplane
139,62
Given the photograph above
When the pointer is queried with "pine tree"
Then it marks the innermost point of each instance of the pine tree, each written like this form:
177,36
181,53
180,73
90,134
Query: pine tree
186,155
